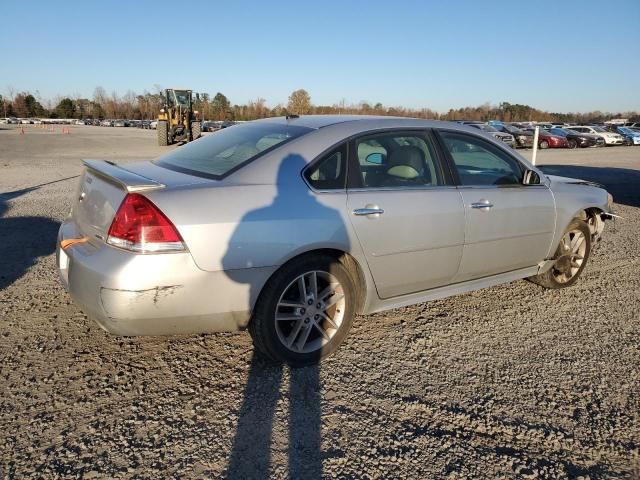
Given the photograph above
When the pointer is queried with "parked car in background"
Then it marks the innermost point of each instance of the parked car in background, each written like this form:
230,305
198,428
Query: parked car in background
609,137
121,123
576,139
153,125
177,245
26,121
144,124
210,126
107,123
522,138
632,137
549,140
507,138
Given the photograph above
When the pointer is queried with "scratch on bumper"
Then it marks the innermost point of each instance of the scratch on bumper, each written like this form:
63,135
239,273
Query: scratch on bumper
118,303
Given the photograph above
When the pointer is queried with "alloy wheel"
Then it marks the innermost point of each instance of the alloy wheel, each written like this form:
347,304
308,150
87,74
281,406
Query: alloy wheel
310,311
573,248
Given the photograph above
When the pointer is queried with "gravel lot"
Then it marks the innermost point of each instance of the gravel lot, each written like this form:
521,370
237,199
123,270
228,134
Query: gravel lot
508,382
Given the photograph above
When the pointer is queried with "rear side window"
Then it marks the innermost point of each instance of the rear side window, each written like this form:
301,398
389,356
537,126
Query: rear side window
397,160
330,172
227,150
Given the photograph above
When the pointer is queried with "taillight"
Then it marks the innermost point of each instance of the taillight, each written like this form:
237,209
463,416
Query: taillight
141,227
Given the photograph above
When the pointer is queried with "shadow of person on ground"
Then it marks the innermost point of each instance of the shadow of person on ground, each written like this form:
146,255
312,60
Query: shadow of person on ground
622,183
294,207
23,239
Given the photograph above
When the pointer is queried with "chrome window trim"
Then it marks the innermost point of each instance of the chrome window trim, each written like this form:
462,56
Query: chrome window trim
402,188
512,185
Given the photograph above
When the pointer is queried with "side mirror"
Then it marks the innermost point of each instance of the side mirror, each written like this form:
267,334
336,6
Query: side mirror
375,158
531,178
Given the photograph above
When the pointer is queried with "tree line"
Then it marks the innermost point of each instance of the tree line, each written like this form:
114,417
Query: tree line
218,107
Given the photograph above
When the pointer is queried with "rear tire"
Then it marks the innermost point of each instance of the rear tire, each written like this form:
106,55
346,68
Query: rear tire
196,130
572,143
163,136
570,258
544,144
305,311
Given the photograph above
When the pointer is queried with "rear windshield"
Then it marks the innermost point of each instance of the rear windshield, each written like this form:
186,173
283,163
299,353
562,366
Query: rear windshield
220,153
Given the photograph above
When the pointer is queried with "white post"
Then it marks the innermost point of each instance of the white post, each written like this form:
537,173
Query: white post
535,145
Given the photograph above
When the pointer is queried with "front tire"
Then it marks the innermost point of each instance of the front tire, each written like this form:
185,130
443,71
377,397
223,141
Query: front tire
572,143
570,258
163,133
196,130
305,311
544,144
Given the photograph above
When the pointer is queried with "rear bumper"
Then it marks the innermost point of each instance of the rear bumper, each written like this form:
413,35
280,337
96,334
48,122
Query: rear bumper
163,294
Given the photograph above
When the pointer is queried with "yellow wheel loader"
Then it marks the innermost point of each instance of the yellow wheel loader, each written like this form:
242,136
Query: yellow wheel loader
178,121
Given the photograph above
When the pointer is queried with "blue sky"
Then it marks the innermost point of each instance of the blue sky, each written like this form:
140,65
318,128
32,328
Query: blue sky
557,56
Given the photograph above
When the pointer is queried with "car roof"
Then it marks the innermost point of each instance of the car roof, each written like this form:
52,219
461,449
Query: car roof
320,121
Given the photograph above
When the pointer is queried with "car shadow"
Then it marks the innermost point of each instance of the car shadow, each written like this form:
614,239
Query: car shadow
25,238
253,445
622,183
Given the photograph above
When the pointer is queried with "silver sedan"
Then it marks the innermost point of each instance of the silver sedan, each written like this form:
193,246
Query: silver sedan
289,227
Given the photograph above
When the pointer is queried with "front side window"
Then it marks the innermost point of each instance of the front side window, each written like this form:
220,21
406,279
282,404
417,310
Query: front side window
397,160
330,172
480,163
217,155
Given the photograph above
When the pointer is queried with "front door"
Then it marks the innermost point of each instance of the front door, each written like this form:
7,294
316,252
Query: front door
508,225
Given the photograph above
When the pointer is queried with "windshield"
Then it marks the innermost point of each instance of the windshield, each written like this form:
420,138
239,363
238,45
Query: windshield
183,97
219,154
561,131
483,127
599,129
514,130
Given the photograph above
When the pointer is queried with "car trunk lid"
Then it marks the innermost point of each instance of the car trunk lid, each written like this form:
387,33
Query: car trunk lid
104,185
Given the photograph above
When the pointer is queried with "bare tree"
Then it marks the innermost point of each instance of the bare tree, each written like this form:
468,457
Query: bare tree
299,102
100,95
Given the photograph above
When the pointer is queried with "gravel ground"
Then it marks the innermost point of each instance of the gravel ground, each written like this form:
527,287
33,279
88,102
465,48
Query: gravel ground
508,382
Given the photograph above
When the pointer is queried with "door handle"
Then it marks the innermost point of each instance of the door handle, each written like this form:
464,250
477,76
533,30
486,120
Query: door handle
482,204
367,211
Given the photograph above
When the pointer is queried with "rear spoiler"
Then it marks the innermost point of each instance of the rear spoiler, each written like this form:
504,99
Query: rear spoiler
112,173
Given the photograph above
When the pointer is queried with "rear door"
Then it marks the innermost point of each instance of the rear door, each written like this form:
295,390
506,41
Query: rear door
407,215
508,225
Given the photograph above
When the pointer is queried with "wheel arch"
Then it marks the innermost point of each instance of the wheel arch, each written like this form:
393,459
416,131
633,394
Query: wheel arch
347,260
585,213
